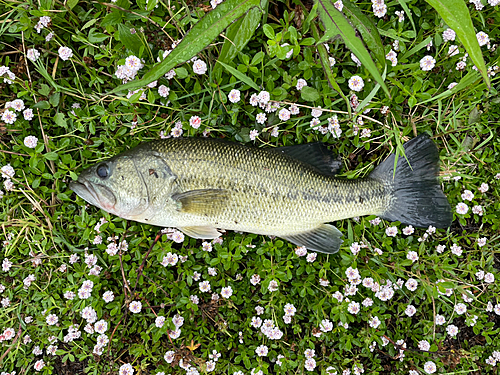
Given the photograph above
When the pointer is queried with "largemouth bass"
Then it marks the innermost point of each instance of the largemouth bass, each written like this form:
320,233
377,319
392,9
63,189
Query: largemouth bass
201,185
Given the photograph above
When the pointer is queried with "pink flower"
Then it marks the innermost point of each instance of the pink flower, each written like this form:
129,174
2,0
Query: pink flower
195,122
39,365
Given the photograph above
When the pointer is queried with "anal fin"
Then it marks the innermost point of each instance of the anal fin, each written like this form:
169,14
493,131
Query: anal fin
205,232
324,238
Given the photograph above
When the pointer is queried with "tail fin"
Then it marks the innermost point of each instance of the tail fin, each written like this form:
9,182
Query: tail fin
417,197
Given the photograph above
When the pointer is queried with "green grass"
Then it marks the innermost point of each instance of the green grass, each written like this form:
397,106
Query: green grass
82,115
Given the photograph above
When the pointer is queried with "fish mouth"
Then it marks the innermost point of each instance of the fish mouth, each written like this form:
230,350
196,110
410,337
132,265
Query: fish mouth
97,195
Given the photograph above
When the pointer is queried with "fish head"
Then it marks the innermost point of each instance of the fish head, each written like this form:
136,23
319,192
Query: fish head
126,185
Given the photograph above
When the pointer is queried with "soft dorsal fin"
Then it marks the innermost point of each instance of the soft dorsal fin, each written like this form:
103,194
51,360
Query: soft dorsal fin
316,155
324,238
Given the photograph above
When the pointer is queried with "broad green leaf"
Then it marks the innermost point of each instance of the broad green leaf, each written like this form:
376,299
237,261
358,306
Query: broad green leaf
336,24
54,99
268,31
95,37
42,105
309,94
51,156
200,36
257,58
238,35
151,5
181,72
60,120
242,77
367,29
71,3
129,40
113,18
88,24
457,16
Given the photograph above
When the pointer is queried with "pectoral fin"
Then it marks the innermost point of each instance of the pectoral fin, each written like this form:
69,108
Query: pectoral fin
202,201
325,239
205,232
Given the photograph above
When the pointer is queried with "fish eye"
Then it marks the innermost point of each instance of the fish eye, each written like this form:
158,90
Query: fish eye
103,171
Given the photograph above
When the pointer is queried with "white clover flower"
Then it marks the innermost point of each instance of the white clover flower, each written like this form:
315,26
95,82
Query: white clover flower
135,307
284,114
427,63
356,83
163,91
254,133
412,255
32,54
65,53
199,67
261,118
410,310
9,117
301,83
462,208
195,122
234,96
391,231
226,292
126,369
482,38
261,350
30,141
449,35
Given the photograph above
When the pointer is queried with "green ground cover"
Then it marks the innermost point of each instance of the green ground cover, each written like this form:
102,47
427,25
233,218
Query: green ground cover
83,291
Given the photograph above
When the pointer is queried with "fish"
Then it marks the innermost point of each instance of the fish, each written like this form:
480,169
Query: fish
203,185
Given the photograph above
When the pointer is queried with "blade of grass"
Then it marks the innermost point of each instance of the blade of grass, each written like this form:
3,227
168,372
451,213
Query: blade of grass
325,62
200,36
367,29
465,82
417,48
457,16
371,95
241,76
336,24
393,35
408,13
238,35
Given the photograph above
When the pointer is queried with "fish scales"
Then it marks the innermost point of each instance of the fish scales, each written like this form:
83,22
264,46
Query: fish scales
270,193
201,185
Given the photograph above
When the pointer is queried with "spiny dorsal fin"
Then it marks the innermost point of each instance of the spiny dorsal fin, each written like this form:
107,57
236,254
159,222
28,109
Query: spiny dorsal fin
324,238
316,155
201,201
